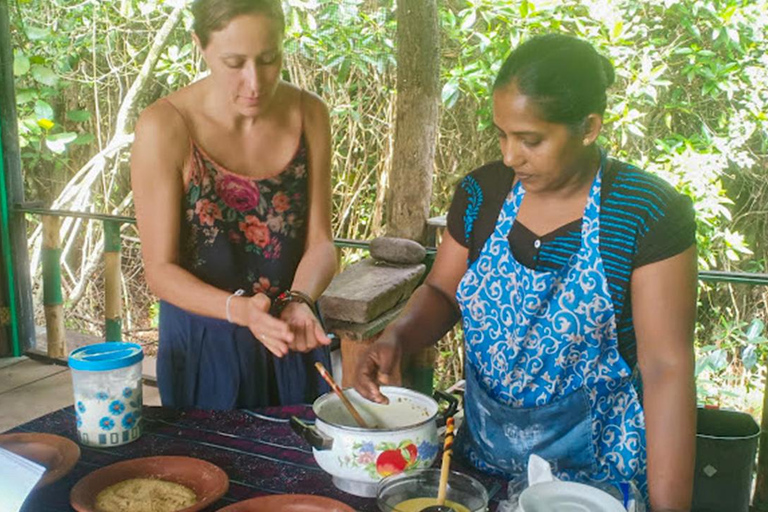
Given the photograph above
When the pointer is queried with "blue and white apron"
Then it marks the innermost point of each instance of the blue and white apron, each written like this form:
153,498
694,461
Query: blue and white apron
543,371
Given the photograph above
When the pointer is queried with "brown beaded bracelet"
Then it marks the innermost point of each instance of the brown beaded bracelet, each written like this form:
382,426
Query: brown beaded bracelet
289,296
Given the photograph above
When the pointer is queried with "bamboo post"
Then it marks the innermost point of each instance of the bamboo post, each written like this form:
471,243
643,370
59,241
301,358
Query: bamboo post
52,298
112,289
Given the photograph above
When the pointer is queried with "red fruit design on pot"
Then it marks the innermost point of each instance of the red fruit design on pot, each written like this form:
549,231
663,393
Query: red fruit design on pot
390,462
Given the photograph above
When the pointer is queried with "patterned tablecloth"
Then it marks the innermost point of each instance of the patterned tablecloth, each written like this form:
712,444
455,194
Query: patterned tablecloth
257,449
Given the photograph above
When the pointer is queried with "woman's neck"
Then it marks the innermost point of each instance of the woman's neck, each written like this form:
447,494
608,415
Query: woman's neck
576,183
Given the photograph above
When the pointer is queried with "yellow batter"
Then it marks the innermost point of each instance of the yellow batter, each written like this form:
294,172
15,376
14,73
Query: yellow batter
145,495
419,504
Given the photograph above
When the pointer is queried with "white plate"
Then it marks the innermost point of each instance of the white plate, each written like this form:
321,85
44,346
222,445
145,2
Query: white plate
567,497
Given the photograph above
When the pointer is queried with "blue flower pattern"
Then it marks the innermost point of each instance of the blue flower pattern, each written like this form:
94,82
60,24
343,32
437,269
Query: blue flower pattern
80,406
102,396
127,392
107,423
129,420
116,407
427,451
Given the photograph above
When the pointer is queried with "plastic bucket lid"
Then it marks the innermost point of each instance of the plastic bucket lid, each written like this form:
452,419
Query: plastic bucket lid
105,356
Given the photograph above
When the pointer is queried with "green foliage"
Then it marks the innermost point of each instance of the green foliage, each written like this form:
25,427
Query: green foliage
690,104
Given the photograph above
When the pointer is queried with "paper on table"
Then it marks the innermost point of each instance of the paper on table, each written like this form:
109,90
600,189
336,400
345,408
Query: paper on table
18,476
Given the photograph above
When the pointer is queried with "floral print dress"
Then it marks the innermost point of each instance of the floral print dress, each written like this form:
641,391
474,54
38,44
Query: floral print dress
237,233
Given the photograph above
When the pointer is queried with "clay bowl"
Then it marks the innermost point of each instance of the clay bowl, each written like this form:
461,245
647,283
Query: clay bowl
207,481
57,454
289,503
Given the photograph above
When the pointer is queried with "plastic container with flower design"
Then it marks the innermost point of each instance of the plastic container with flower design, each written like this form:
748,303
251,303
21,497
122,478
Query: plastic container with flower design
106,378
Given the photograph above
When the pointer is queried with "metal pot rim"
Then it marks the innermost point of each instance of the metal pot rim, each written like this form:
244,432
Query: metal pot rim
390,391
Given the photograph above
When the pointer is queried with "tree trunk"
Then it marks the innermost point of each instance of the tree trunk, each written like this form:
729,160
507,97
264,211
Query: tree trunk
418,94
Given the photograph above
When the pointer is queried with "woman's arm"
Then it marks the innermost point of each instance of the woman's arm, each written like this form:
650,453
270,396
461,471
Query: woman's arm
429,314
318,263
664,312
158,159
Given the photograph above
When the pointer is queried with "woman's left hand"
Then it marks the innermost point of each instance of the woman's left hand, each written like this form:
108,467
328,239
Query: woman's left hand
308,334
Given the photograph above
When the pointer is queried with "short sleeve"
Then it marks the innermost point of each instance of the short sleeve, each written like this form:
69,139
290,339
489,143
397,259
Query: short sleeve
456,213
671,234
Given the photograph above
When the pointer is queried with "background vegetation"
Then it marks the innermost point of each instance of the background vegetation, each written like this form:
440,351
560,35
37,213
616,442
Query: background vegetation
689,104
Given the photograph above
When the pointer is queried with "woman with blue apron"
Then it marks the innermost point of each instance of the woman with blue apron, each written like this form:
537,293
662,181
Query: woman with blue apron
559,327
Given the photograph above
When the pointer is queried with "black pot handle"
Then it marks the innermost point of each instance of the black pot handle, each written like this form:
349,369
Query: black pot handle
453,405
317,440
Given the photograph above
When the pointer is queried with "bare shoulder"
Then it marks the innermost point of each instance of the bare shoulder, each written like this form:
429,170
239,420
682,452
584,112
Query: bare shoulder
162,138
315,109
162,122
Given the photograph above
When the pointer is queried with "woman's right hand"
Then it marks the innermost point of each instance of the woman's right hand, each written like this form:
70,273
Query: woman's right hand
273,333
378,366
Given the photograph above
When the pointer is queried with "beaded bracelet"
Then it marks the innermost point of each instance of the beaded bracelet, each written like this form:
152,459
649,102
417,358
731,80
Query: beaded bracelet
289,296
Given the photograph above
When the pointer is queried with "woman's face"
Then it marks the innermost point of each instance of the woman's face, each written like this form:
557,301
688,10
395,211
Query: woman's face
245,59
544,155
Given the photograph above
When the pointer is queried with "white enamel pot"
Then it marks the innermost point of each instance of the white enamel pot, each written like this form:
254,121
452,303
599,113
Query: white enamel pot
403,438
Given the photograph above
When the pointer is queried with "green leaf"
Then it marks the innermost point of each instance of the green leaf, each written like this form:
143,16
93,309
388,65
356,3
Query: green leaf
78,115
749,357
25,96
36,34
20,64
44,75
755,329
43,110
469,21
83,139
58,142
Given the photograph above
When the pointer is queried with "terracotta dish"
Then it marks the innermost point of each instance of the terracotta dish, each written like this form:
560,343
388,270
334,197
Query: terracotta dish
289,503
57,454
208,482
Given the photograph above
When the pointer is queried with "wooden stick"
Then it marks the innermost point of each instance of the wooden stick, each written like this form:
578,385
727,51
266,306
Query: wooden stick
327,376
52,298
445,468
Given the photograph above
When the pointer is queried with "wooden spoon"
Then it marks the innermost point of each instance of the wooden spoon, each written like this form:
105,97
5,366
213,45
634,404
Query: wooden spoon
327,376
445,470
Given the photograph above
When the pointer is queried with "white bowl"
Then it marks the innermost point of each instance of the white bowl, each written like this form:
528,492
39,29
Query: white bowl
567,497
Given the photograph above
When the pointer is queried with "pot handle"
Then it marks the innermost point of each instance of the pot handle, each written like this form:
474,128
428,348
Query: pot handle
453,405
317,440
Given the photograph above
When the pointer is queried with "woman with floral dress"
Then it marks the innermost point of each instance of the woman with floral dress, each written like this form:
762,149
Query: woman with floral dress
231,181
574,277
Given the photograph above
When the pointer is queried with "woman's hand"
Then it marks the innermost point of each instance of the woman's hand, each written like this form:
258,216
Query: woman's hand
377,367
308,334
273,333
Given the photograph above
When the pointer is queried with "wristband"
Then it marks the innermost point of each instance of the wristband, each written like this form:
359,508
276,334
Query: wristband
238,293
289,296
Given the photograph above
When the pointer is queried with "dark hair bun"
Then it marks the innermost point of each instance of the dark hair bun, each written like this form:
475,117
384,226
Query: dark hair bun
610,75
564,75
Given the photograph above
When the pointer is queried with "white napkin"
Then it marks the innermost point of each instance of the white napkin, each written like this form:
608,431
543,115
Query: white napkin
18,476
539,470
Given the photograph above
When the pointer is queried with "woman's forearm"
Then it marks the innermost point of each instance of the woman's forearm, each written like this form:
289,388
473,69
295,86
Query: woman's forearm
316,269
670,415
427,317
174,284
